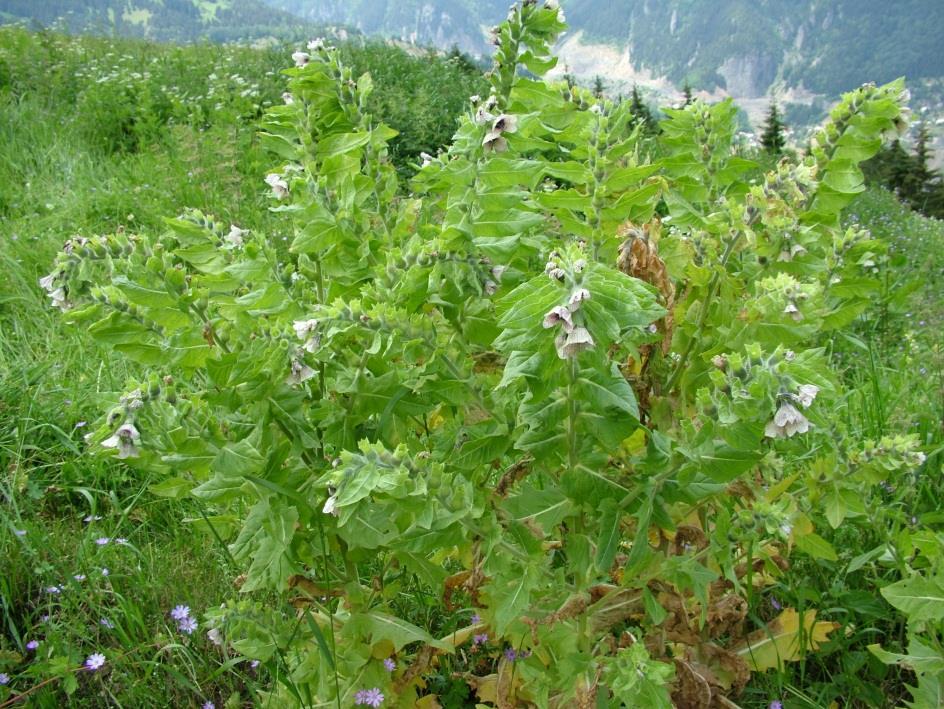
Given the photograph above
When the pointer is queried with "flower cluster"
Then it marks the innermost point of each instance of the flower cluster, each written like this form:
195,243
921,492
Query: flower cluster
574,337
185,623
369,697
788,420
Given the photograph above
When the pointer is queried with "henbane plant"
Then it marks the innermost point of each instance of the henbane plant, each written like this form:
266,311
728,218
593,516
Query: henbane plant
568,383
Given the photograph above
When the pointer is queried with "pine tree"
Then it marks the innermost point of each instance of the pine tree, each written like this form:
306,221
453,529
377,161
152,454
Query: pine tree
923,181
598,86
687,94
773,138
640,109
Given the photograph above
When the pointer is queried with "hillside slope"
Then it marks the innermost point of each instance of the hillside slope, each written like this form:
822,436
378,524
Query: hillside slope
742,46
177,20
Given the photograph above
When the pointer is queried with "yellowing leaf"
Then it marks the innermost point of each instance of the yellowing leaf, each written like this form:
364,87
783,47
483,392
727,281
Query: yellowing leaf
430,701
461,635
381,649
784,639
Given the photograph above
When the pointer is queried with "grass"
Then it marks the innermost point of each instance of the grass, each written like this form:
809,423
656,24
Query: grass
82,156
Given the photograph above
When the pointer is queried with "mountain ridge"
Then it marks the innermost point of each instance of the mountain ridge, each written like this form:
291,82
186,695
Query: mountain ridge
163,20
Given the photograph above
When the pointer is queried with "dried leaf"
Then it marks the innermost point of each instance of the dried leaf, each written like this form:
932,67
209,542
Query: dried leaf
784,639
639,257
691,688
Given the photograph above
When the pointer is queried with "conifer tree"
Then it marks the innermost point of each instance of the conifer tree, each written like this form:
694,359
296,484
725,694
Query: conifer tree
687,94
598,86
640,109
922,181
773,138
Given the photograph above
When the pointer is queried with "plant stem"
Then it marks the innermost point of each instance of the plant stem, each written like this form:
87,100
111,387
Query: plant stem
702,315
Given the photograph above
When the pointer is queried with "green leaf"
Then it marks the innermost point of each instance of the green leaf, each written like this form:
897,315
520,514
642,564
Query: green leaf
920,657
608,541
815,546
380,626
654,609
548,506
725,464
174,488
341,143
922,599
524,308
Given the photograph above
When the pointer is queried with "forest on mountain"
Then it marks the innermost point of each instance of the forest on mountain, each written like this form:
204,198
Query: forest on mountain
167,20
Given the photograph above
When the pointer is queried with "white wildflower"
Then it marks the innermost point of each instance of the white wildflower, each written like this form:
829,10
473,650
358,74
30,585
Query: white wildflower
300,58
235,236
317,44
279,186
596,108
482,116
307,330
793,311
59,300
579,265
288,98
557,274
475,98
578,296
494,142
125,439
574,342
214,636
505,123
426,158
301,372
491,287
787,422
559,315
330,505
47,283
806,394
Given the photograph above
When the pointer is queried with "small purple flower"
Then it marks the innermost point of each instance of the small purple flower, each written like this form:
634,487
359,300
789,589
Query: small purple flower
20,532
95,661
4,678
80,424
106,623
475,619
480,639
102,541
44,618
120,540
775,604
369,697
32,645
54,590
105,571
510,654
208,705
776,704
180,612
187,625
253,664
390,665
79,577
